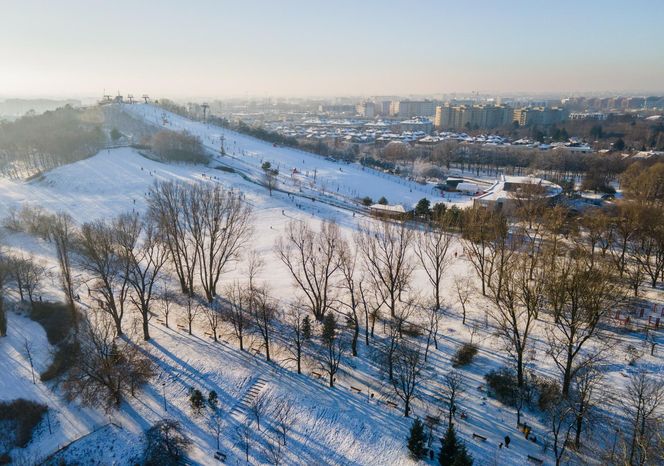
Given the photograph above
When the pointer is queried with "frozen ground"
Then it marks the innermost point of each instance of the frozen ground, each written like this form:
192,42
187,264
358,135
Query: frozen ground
334,426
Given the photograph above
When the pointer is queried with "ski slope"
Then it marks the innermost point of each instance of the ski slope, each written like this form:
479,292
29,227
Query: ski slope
299,171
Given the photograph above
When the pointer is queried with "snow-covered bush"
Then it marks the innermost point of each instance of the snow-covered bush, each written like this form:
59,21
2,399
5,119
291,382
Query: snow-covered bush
17,420
464,354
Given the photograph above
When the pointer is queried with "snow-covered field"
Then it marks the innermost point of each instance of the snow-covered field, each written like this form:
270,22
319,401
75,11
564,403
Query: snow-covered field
333,426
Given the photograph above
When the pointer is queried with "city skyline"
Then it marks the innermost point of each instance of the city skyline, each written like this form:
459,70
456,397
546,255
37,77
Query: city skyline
306,49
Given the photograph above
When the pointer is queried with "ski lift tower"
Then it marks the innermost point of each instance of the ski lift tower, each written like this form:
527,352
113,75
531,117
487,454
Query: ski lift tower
222,151
131,98
205,108
146,98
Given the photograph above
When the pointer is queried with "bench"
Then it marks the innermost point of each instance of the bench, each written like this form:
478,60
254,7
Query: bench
479,437
220,456
535,460
355,389
392,404
316,374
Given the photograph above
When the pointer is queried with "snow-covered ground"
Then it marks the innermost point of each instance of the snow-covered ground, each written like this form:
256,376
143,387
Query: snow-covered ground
333,426
299,171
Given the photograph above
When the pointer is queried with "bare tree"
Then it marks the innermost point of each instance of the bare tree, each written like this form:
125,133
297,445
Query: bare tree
100,256
395,332
146,257
237,311
332,348
517,306
561,420
274,451
168,205
625,229
284,414
243,434
191,309
264,313
481,228
643,406
212,314
464,289
106,369
351,299
577,298
433,322
4,278
648,245
384,248
27,346
299,332
585,386
62,233
431,248
215,422
408,366
311,258
454,388
220,225
259,406
28,274
372,301
167,301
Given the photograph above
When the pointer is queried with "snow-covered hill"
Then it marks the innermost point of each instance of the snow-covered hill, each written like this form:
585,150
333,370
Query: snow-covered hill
333,426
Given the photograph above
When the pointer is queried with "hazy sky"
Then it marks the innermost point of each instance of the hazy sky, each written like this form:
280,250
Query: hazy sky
213,48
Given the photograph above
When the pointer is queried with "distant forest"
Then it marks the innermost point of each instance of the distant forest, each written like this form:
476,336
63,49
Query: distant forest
33,144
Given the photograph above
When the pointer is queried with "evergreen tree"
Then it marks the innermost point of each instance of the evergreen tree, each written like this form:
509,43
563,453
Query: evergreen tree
213,399
329,328
449,448
417,439
453,451
619,144
197,401
423,207
463,457
3,320
306,328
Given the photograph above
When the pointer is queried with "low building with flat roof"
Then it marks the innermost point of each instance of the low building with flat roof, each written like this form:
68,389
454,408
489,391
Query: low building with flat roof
385,210
509,192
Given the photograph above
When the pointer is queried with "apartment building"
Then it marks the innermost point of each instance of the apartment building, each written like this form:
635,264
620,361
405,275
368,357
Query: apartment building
529,116
472,116
412,108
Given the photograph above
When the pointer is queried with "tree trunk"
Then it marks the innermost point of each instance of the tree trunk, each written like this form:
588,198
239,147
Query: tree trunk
267,349
118,327
356,333
146,330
